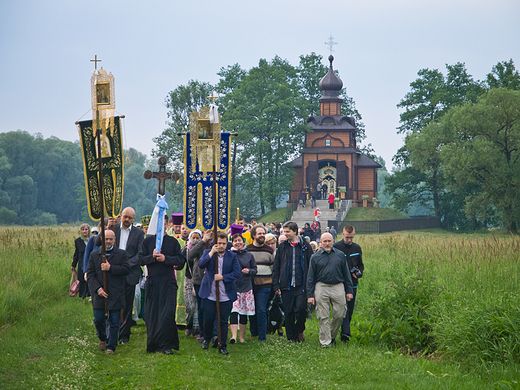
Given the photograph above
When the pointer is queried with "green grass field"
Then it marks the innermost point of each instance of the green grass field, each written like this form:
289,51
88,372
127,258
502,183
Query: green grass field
272,216
372,214
434,311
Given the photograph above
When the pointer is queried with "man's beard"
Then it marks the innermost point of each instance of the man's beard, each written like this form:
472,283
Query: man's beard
260,240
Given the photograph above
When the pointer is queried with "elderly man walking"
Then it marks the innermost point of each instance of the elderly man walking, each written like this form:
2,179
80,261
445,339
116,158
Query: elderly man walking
116,267
329,283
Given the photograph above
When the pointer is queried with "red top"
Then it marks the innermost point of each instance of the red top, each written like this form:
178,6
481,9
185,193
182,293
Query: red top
331,198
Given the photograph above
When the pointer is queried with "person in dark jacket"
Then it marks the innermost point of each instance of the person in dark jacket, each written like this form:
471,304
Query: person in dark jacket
354,261
77,260
329,284
117,268
129,238
245,304
307,231
291,264
228,272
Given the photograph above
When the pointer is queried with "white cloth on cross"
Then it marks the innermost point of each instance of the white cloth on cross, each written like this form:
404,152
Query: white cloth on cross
213,113
157,222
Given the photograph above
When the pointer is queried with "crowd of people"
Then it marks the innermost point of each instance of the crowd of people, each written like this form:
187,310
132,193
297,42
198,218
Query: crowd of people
206,285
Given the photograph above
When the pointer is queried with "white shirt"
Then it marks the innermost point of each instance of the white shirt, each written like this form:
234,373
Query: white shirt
123,238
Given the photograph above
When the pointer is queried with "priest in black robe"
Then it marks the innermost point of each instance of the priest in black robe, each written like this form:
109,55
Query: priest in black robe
161,292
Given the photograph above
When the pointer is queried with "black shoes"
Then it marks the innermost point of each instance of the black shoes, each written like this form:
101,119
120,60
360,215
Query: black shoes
223,351
169,352
205,344
344,338
123,341
214,342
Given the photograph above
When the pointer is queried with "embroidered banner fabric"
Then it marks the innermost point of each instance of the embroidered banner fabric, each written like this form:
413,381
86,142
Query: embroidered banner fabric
198,185
112,164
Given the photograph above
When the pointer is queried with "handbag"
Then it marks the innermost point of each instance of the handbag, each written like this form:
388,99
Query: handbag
74,284
275,314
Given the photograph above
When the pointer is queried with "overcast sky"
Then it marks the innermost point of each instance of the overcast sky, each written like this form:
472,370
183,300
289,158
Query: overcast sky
151,47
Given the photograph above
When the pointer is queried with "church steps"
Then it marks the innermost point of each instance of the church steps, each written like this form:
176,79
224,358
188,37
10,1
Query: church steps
306,214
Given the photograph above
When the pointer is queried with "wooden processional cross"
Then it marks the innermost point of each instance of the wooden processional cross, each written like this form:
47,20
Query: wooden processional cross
162,176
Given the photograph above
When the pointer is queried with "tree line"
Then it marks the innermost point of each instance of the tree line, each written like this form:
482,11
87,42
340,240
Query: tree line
42,181
460,159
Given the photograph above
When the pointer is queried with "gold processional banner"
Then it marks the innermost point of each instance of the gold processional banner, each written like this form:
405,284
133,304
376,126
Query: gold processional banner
112,166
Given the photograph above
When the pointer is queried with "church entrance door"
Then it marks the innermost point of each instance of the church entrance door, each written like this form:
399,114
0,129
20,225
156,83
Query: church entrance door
328,176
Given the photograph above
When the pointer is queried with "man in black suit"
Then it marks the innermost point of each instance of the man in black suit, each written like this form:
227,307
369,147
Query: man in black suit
116,268
130,239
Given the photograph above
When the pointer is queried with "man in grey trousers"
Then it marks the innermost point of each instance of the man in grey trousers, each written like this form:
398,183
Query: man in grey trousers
329,283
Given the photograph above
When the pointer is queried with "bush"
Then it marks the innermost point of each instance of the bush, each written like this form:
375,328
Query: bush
479,331
403,317
7,217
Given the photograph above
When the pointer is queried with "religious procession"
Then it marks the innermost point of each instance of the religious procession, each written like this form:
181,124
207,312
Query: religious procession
198,271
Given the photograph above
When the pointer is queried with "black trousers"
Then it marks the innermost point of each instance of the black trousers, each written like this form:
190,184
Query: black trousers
210,315
84,291
345,326
200,312
124,331
294,302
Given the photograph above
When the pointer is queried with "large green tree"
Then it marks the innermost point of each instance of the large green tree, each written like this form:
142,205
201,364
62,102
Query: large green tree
228,102
181,102
419,178
485,150
273,127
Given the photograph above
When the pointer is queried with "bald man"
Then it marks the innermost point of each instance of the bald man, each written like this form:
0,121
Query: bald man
329,283
116,268
130,239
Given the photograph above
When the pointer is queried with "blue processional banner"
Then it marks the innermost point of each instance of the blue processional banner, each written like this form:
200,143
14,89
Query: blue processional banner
198,186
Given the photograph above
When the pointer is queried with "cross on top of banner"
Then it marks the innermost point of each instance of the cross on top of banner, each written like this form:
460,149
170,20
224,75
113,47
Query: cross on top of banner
212,97
95,61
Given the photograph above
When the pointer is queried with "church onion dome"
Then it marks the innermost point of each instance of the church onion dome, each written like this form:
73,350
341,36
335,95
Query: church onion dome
331,84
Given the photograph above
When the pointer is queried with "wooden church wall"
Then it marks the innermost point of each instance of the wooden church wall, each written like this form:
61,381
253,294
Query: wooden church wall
337,140
366,182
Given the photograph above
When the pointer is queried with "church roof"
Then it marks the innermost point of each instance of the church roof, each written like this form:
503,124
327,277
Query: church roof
362,162
367,162
297,162
332,122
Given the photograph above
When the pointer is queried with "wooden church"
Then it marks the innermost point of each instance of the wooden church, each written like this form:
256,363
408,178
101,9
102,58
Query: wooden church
329,156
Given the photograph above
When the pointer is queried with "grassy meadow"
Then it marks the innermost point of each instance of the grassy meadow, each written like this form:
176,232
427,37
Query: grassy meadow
434,311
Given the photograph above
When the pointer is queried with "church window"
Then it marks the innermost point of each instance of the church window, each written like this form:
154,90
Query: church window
327,142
